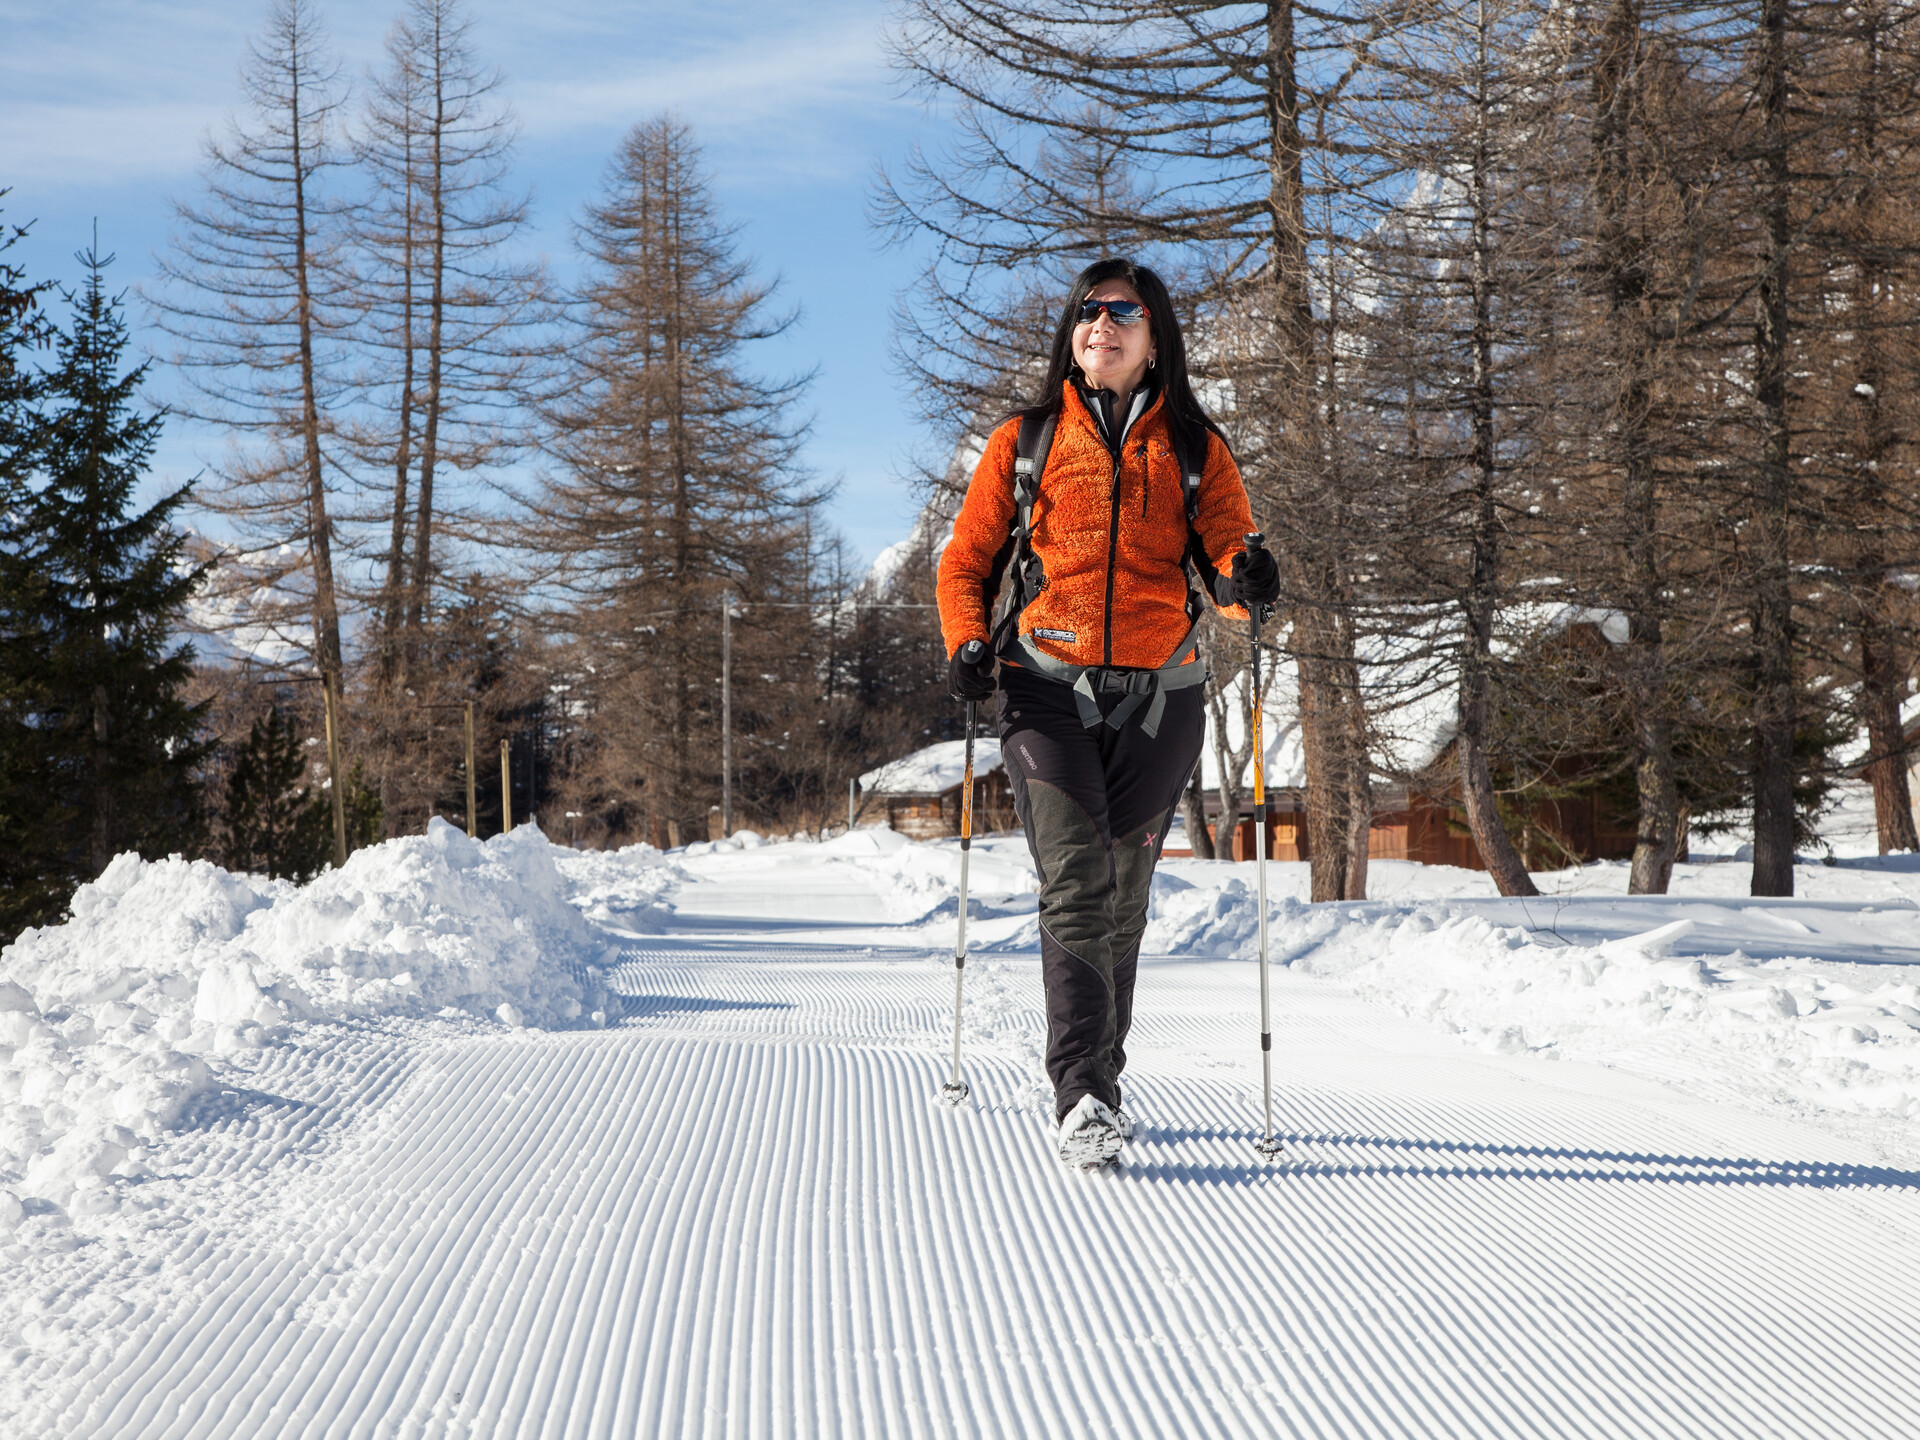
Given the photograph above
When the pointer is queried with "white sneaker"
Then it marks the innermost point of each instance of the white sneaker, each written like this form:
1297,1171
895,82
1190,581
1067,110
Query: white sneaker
1090,1135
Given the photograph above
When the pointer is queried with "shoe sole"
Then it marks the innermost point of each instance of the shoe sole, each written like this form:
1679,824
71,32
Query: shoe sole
1091,1146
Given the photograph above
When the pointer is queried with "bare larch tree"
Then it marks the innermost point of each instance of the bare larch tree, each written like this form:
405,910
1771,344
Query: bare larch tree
674,486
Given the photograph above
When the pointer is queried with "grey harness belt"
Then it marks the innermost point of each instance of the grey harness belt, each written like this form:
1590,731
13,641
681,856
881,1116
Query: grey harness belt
1138,687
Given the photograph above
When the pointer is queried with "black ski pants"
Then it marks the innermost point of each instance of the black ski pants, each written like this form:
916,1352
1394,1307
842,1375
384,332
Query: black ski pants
1096,805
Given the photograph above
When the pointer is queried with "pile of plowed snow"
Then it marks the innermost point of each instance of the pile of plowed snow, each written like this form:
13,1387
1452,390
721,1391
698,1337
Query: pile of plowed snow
1807,1029
105,1020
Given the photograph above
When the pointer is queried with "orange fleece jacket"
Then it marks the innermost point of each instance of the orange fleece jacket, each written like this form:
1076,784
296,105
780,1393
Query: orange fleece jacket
1112,537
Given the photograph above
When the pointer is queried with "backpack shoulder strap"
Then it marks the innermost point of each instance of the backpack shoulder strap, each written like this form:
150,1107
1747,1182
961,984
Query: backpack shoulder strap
1190,452
1191,441
1029,465
1030,461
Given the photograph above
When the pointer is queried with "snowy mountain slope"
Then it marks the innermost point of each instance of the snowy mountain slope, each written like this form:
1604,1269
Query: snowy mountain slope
739,1210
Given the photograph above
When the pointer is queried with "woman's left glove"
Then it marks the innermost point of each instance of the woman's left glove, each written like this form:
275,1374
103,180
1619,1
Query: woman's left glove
1255,579
970,672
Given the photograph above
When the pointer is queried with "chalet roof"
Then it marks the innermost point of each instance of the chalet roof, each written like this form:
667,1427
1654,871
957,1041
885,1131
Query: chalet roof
934,770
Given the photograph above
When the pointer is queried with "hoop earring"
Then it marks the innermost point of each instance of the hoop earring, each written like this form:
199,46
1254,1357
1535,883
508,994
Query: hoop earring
1152,360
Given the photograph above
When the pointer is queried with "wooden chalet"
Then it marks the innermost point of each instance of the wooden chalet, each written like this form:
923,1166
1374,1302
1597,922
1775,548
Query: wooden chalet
1424,821
1431,829
919,794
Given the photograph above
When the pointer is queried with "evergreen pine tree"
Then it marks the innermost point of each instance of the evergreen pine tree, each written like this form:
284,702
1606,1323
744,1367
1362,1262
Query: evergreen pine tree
275,822
99,750
23,328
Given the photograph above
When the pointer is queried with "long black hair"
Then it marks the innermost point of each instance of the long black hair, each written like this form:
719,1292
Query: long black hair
1169,349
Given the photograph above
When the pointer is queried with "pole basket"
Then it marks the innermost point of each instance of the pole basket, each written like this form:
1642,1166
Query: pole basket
954,1091
1269,1147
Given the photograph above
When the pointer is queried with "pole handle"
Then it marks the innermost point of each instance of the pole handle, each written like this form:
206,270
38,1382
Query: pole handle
1256,540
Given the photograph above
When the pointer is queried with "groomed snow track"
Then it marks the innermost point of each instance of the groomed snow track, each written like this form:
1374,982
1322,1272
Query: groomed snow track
740,1211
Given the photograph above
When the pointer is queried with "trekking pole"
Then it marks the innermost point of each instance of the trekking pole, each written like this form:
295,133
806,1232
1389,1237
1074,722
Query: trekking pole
1268,1145
955,1090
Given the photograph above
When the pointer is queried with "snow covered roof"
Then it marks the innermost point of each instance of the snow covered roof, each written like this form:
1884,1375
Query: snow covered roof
934,770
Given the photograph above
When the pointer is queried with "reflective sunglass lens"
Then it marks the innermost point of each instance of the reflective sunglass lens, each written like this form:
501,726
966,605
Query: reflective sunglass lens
1124,312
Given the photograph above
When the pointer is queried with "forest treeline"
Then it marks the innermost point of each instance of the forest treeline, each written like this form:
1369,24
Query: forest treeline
451,481
1518,314
1568,351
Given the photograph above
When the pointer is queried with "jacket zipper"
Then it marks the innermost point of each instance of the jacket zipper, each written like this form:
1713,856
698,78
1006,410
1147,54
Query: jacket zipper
1113,554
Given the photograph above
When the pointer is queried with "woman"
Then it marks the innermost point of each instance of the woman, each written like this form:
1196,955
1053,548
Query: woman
1097,498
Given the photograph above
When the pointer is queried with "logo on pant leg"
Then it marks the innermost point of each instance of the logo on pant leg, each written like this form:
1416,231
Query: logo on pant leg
1027,755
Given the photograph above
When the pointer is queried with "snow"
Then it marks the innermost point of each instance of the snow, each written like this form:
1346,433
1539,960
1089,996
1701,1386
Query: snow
506,1138
246,614
107,1022
933,770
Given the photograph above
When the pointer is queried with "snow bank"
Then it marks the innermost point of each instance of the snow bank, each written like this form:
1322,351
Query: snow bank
105,1021
1845,1037
1804,1029
622,887
922,879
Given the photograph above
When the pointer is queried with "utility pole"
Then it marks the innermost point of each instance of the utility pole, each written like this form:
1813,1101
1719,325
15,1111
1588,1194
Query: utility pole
726,714
473,829
506,788
333,772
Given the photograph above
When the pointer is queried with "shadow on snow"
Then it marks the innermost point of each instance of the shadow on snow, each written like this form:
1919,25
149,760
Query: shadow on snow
1363,1155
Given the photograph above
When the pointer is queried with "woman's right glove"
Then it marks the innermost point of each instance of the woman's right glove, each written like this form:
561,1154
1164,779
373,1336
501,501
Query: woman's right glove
970,672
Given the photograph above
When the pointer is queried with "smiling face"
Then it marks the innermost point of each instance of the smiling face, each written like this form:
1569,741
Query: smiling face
1113,357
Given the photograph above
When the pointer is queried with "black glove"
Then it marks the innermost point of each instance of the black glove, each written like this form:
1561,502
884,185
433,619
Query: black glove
1256,578
970,672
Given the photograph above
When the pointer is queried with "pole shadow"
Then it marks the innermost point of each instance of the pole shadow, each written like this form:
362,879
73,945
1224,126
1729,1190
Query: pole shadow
1347,1155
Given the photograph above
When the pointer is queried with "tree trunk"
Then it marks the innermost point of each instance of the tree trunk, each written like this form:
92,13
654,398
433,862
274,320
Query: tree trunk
1483,580
1476,787
1196,811
1657,840
326,608
436,344
1321,643
101,837
1881,680
393,595
1645,685
1232,765
1325,730
1359,803
1771,605
1882,673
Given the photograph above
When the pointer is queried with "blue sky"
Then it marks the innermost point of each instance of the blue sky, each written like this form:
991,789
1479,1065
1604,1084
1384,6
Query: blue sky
104,104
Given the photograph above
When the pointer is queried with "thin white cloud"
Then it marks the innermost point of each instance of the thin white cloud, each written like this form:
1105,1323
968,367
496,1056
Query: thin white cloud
729,90
118,91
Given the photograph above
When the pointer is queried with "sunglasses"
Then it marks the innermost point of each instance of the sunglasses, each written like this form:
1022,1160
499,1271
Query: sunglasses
1122,312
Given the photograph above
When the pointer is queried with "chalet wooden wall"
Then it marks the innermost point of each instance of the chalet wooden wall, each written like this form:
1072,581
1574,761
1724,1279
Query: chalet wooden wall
1430,830
935,817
